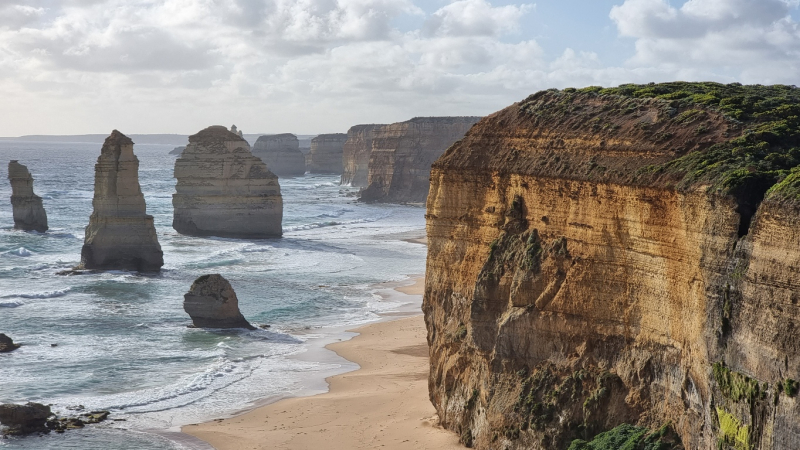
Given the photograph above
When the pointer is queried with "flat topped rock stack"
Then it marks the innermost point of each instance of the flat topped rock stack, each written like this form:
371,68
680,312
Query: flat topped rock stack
355,155
120,234
402,155
212,303
326,153
29,214
223,190
281,153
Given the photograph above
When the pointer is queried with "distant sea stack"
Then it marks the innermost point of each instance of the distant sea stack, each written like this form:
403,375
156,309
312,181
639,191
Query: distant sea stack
120,235
177,150
212,303
281,153
402,154
223,190
355,155
326,153
29,214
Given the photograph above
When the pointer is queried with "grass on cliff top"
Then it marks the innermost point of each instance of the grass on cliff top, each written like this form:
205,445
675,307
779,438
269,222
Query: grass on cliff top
630,437
766,155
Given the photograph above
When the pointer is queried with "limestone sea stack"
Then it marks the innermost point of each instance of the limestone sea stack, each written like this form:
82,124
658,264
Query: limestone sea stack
120,234
29,214
177,150
223,190
281,153
326,154
212,303
402,154
355,155
620,261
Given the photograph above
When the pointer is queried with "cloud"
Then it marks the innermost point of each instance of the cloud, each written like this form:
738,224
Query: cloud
474,18
748,40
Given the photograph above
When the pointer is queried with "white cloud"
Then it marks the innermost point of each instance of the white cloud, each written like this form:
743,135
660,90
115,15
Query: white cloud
748,40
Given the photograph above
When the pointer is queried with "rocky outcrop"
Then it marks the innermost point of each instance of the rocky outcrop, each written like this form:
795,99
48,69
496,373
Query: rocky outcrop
402,154
355,155
29,214
120,234
223,190
177,150
212,303
24,419
281,153
326,153
604,261
7,344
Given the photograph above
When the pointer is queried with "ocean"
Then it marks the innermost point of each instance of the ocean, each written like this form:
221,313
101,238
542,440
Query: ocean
119,341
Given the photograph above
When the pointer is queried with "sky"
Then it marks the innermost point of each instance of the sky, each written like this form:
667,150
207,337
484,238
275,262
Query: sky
320,66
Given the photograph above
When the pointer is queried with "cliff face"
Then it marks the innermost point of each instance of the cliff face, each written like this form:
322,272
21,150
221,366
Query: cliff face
355,155
579,279
223,190
281,153
120,234
326,153
402,154
29,214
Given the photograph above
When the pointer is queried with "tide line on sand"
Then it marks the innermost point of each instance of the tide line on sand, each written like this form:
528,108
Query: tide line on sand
384,404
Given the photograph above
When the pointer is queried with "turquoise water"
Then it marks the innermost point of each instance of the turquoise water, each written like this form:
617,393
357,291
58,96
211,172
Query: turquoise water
122,338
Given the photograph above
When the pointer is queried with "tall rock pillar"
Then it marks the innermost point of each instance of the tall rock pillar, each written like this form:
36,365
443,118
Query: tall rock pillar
120,234
29,214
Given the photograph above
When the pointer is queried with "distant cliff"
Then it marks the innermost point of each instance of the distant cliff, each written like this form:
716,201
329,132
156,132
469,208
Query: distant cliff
325,155
622,260
281,153
402,154
355,155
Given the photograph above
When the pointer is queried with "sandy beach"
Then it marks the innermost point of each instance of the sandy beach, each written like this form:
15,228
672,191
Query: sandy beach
384,404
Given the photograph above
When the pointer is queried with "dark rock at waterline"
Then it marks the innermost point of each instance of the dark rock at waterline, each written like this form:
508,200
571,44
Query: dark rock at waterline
212,303
62,424
7,344
24,419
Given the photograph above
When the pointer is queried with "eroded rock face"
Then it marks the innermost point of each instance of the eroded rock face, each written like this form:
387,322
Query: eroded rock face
212,303
29,214
569,291
402,154
120,234
223,190
355,155
326,153
281,153
7,344
25,419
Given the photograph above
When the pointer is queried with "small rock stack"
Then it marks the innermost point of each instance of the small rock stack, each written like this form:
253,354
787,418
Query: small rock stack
212,303
29,214
281,153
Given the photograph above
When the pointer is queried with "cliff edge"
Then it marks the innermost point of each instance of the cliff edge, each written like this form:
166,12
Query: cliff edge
620,260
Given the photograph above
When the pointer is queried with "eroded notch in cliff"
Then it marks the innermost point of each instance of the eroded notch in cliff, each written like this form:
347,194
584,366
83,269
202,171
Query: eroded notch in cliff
749,192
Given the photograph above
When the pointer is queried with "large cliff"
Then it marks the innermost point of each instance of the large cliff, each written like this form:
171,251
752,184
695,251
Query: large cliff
620,259
281,153
402,154
325,155
120,235
355,155
223,190
27,207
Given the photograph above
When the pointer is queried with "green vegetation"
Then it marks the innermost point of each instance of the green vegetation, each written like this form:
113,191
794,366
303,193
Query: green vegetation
629,437
732,432
762,151
790,387
734,385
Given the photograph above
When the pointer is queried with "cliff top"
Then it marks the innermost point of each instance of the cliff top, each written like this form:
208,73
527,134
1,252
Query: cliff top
277,137
736,139
340,136
215,133
117,138
445,119
17,170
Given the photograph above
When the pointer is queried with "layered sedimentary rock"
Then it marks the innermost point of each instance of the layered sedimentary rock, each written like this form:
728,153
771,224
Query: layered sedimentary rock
402,154
355,155
29,214
599,261
326,153
120,234
281,153
212,303
223,190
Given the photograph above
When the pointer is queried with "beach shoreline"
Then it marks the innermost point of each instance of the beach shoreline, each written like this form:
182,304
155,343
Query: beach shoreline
382,403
